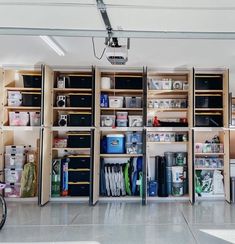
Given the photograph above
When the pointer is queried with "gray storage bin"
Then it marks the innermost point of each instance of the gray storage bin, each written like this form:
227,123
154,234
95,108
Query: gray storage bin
133,102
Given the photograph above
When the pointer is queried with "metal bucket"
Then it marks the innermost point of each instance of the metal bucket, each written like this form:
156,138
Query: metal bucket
177,189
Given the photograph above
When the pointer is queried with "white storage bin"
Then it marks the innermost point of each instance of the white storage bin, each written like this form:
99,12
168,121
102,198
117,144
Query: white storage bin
35,118
166,84
134,148
133,102
15,161
135,120
13,176
108,120
115,102
14,95
15,149
122,115
14,102
155,84
18,118
12,190
122,122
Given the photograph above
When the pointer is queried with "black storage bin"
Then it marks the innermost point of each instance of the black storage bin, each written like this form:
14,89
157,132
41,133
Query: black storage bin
78,162
80,100
209,102
208,82
209,120
79,176
79,119
78,81
32,81
128,83
79,140
79,190
31,99
172,124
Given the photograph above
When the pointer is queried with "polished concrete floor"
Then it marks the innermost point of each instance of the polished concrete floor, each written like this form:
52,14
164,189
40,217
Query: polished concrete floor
121,223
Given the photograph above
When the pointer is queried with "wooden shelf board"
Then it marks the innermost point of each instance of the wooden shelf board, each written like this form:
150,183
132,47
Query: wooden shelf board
72,108
70,149
155,92
121,128
209,109
22,108
175,129
71,128
7,88
209,168
207,91
207,129
64,90
127,109
170,142
122,90
120,155
24,128
209,154
168,109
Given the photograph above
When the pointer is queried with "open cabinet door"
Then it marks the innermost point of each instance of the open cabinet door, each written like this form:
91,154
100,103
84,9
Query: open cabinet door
46,137
95,189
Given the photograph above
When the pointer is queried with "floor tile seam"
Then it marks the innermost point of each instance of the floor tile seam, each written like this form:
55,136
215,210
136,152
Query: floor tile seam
189,228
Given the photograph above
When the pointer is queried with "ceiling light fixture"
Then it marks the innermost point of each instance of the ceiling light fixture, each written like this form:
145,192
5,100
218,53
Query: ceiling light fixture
52,44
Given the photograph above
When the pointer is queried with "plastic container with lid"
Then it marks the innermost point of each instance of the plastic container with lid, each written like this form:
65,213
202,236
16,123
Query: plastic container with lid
122,122
115,143
107,120
15,161
122,115
115,101
135,120
13,176
134,148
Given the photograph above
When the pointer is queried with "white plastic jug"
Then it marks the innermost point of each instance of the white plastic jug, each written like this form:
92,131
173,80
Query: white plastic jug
105,83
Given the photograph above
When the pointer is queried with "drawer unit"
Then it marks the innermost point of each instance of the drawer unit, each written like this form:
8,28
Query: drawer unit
32,81
13,175
215,101
14,102
209,82
79,189
31,99
80,100
79,162
79,175
79,119
209,120
12,149
14,161
78,81
128,83
79,140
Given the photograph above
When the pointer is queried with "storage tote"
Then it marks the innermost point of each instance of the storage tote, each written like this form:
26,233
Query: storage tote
14,161
83,100
79,162
35,118
13,175
79,119
79,189
135,120
115,143
18,118
115,102
31,99
32,81
79,140
79,175
133,102
107,120
12,190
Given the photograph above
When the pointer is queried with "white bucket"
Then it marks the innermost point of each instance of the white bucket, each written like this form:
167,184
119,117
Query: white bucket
105,83
177,174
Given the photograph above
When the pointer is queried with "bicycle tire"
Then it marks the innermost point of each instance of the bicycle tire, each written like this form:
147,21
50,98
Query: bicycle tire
4,211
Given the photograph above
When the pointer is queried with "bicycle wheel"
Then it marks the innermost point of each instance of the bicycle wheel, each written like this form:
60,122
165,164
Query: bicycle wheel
3,211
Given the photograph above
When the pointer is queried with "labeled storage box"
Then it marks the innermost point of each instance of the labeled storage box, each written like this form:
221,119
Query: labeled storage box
14,161
108,120
134,148
79,162
135,120
115,143
209,82
32,81
80,100
12,190
79,119
18,118
79,189
14,102
79,175
133,102
115,102
128,83
35,118
15,149
13,175
79,140
78,81
31,99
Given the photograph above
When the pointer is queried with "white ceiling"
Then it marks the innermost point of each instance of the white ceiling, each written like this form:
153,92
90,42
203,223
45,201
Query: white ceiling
148,15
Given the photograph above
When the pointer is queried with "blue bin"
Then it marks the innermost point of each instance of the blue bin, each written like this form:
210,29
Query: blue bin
115,143
153,187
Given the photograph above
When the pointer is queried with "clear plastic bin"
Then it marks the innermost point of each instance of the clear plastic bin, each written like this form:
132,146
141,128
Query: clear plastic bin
135,120
14,95
122,122
122,115
134,148
115,102
15,149
15,161
155,84
14,102
134,137
35,118
12,190
133,102
107,120
18,118
13,176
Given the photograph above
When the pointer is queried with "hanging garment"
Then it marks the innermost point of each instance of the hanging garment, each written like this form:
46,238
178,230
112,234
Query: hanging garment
102,178
28,180
127,179
107,181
